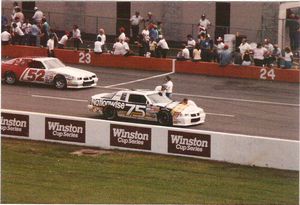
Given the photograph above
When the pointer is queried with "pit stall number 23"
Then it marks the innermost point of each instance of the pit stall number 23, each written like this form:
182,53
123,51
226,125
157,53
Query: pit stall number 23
267,74
85,58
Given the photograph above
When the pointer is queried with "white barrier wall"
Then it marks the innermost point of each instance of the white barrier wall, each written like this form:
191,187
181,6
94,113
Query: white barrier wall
233,148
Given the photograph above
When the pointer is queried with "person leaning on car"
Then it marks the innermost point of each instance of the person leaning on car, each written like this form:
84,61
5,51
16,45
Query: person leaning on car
168,87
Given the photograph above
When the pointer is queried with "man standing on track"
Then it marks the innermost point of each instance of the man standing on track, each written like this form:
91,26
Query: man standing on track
168,87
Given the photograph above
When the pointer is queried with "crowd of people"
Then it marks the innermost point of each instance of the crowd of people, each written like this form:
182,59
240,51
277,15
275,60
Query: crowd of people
150,42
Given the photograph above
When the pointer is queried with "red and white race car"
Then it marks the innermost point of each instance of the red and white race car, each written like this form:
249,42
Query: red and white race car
46,70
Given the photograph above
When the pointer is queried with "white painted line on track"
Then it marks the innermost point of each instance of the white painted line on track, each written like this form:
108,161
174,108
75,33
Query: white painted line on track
58,98
217,114
139,80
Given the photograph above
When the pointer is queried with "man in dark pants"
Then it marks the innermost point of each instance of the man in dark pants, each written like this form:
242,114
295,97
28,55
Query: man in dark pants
135,22
294,32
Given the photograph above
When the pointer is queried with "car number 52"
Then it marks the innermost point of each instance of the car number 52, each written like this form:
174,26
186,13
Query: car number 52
267,74
34,75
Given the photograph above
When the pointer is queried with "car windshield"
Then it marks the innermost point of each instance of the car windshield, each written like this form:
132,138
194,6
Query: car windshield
53,63
159,98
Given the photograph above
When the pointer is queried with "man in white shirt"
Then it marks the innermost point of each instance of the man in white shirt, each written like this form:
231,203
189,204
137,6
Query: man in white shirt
162,47
244,46
38,15
103,39
184,54
5,37
135,21
168,87
118,48
63,41
204,23
122,36
50,46
18,34
98,46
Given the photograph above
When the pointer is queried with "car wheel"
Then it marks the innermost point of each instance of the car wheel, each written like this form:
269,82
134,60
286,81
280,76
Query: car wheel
109,113
165,118
60,82
10,78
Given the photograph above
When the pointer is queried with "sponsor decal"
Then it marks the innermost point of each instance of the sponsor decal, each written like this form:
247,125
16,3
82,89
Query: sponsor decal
130,137
65,130
189,143
103,103
15,124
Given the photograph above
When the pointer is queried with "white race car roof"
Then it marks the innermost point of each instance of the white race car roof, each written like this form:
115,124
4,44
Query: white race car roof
139,92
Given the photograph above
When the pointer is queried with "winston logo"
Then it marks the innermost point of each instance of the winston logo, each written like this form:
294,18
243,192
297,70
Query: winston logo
130,137
65,130
189,143
14,124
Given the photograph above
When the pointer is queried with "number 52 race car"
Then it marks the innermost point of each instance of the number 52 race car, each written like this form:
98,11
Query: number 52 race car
147,105
45,70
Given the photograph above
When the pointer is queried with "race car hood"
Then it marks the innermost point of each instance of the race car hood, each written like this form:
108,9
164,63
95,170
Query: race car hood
75,72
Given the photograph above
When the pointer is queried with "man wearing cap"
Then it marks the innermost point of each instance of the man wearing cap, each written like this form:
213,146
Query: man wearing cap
38,15
135,21
204,23
162,47
225,56
150,19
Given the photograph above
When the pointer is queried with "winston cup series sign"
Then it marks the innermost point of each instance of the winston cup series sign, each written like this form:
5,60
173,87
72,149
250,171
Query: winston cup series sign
130,137
65,130
189,143
15,124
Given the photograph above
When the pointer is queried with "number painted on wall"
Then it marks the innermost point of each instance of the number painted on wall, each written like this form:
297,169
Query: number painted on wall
267,74
84,58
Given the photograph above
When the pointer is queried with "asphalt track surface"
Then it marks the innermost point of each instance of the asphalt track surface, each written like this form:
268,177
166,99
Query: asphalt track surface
240,106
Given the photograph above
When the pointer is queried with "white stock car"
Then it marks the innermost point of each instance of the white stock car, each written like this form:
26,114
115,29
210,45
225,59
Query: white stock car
146,105
46,70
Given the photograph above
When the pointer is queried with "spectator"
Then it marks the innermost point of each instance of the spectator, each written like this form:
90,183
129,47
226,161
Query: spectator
225,57
17,35
184,54
63,41
38,15
122,36
294,30
268,55
152,47
98,45
153,33
276,55
26,28
205,47
258,55
150,19
77,37
18,22
128,52
287,58
197,53
246,58
5,37
19,14
203,25
244,46
237,57
15,6
4,23
162,47
135,21
51,31
145,40
103,39
35,33
50,45
219,47
45,30
139,44
168,86
191,43
118,48
159,28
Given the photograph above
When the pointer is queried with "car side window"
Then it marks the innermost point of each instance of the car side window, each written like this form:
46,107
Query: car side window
123,96
36,64
137,98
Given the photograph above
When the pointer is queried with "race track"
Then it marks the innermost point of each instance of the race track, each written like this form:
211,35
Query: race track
251,107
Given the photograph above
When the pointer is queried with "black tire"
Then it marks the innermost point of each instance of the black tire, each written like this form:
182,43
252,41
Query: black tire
10,78
60,82
165,118
109,113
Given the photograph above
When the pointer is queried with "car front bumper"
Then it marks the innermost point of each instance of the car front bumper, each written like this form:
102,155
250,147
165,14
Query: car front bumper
81,83
188,120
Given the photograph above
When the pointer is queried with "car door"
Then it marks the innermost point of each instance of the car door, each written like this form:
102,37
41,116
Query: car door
34,73
136,106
